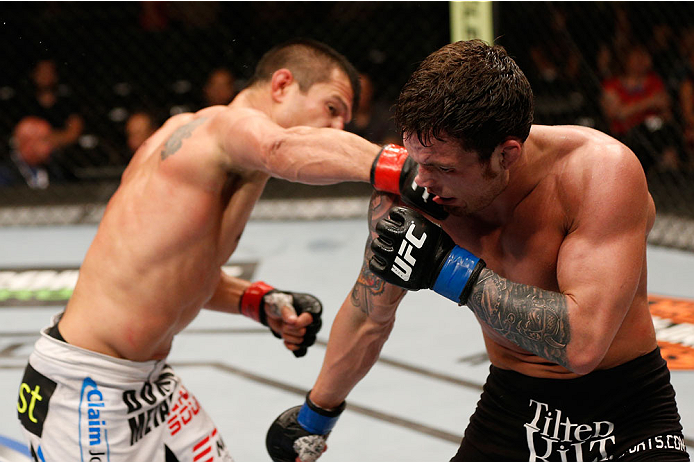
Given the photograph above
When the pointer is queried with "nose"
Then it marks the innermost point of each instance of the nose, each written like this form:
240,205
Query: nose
424,178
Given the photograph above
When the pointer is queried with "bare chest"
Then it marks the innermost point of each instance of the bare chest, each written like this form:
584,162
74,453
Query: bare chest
524,249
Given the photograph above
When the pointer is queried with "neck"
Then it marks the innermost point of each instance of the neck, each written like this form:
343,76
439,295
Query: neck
254,98
523,177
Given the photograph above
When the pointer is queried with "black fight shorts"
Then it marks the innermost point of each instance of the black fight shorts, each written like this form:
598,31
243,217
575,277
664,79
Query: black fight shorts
627,413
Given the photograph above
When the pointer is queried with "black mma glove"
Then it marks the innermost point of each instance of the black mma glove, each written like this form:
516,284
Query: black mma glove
258,294
301,432
414,253
394,171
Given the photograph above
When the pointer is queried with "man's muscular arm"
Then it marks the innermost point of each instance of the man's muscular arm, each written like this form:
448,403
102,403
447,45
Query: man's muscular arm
249,140
534,319
361,327
359,331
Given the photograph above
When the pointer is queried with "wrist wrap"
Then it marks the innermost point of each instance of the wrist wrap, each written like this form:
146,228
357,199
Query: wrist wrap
458,274
314,419
386,168
252,301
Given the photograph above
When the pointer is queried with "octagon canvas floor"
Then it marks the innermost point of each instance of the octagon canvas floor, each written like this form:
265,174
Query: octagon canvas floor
414,404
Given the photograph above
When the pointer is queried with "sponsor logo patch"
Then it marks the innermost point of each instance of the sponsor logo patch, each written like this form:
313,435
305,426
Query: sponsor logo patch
34,396
93,426
149,406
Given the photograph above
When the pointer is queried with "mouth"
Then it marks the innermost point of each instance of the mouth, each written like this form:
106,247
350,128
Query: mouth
442,200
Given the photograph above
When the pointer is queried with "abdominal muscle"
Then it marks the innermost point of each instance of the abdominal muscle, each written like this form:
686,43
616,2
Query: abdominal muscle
139,284
129,302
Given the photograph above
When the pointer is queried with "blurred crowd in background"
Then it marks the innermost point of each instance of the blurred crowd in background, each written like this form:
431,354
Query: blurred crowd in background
84,84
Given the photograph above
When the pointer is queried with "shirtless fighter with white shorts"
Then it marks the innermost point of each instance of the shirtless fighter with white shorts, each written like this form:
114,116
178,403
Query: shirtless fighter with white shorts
97,386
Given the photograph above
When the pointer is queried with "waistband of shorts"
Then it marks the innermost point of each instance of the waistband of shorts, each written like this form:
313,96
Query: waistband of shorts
642,366
66,360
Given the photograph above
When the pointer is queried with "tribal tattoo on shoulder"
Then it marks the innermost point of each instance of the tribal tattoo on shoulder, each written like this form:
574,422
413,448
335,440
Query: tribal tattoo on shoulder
533,318
368,284
175,141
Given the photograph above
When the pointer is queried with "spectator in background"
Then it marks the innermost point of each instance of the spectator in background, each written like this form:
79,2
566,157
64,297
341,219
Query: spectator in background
373,119
220,87
51,101
638,109
139,126
31,160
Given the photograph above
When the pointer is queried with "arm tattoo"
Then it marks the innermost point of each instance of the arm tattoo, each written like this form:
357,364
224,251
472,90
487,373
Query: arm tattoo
368,284
175,141
534,319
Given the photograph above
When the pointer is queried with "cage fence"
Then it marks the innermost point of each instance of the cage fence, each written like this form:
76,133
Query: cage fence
104,74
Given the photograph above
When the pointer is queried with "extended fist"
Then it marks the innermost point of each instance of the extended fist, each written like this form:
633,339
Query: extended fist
299,433
394,171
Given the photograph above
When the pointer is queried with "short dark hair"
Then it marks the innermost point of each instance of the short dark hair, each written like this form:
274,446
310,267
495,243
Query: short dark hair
470,91
310,62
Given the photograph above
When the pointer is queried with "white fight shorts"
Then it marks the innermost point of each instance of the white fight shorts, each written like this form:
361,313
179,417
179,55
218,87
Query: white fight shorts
78,405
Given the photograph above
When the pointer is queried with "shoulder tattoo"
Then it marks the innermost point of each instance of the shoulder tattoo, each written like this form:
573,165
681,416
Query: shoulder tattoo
532,318
175,141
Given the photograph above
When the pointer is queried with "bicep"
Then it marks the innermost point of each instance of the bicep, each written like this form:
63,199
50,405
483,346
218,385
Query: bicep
600,262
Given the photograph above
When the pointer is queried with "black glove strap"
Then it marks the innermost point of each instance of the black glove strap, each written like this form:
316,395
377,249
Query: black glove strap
465,294
325,412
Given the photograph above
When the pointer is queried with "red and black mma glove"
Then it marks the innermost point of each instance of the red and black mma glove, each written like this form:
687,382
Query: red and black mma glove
394,171
414,253
253,303
301,431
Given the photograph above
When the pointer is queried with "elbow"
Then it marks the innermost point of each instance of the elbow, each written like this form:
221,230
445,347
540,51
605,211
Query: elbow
584,360
582,366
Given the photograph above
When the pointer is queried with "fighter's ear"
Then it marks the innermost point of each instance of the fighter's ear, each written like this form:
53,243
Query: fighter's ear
281,80
510,152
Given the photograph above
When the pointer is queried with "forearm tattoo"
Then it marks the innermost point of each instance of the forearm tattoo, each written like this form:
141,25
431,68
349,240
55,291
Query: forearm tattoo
534,319
175,141
368,284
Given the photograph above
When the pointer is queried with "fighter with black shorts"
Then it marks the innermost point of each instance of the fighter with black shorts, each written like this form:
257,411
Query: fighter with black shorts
545,242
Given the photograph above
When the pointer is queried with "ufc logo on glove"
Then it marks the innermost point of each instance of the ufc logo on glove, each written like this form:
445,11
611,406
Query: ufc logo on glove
440,265
403,268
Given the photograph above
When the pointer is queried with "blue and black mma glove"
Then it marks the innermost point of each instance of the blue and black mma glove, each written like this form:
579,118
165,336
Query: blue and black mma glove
414,253
394,171
301,432
259,293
